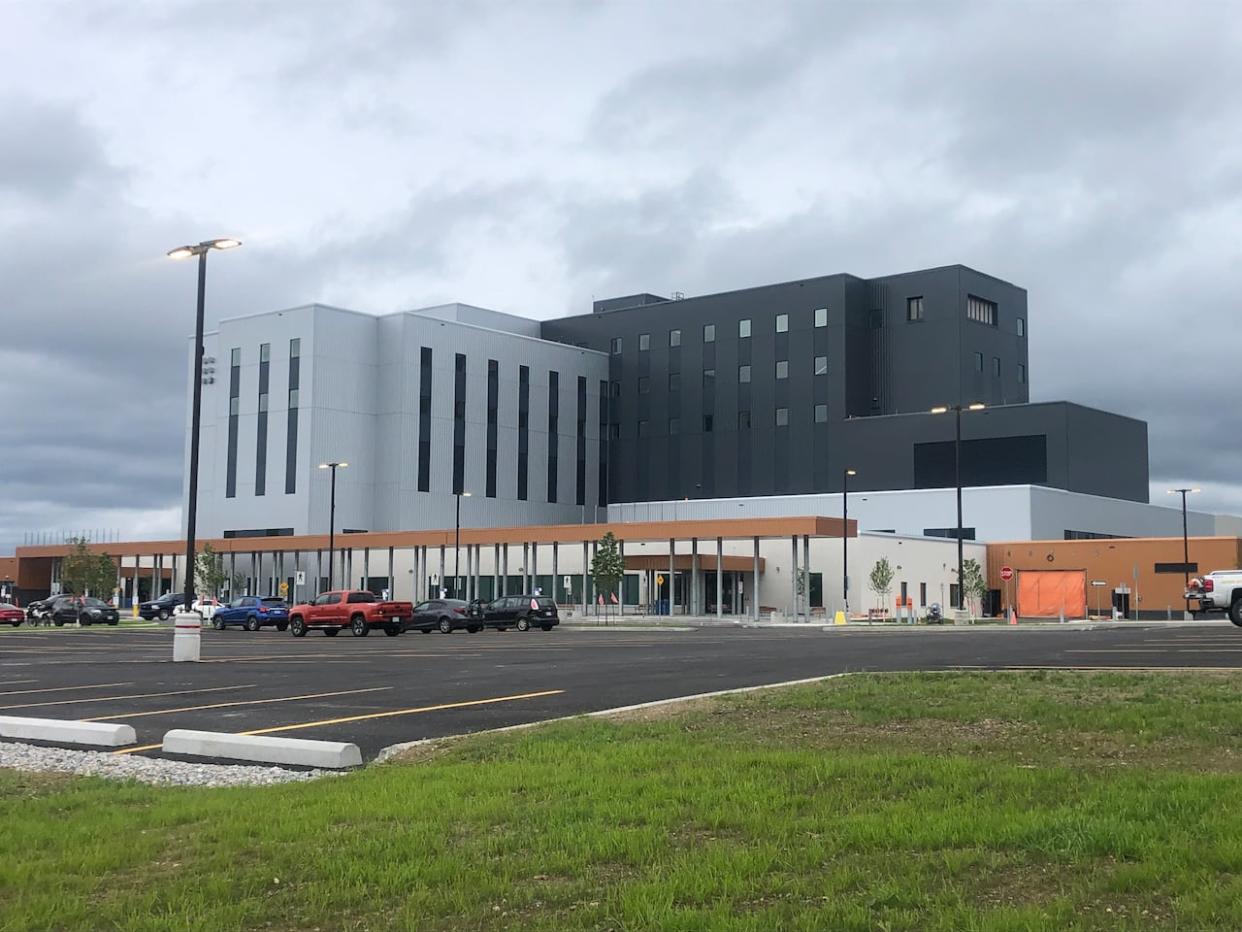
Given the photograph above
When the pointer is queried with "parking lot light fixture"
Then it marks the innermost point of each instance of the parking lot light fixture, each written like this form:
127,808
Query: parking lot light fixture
191,512
332,521
1185,540
957,481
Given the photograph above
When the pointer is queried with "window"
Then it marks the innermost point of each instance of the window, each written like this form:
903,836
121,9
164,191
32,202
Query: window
922,595
234,407
523,457
709,333
644,385
707,423
554,440
996,366
1021,374
709,377
291,426
580,442
782,368
821,317
615,346
743,373
743,420
295,348
424,419
981,310
978,362
293,398
821,414
642,428
782,323
235,356
674,381
260,440
644,342
968,533
743,329
914,308
782,417
263,403
359,597
493,426
1021,327
230,475
616,389
821,365
674,425
674,338
265,352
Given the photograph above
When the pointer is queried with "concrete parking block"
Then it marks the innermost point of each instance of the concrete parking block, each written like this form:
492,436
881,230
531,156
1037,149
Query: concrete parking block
60,731
263,748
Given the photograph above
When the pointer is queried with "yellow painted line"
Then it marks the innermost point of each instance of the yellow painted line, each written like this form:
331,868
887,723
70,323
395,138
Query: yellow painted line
395,712
60,689
177,692
144,747
226,705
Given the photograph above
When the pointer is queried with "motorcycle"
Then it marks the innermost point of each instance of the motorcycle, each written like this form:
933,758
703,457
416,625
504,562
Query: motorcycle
934,615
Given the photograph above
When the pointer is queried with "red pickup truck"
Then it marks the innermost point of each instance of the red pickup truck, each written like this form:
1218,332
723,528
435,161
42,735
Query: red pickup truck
356,609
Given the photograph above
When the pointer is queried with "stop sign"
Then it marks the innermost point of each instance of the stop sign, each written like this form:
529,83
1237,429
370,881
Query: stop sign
1006,573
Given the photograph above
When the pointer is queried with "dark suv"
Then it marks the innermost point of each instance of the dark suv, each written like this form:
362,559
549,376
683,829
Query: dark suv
161,608
517,611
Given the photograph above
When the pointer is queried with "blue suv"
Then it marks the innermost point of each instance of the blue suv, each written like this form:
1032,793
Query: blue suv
252,612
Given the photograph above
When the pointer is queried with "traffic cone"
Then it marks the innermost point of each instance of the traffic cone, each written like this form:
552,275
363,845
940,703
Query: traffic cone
838,618
1013,617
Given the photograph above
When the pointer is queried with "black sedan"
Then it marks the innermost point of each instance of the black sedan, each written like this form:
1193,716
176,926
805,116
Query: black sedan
86,612
443,615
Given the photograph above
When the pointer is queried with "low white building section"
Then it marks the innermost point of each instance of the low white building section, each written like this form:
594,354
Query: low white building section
420,404
992,513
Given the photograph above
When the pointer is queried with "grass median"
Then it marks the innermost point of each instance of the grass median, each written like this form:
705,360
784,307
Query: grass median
919,801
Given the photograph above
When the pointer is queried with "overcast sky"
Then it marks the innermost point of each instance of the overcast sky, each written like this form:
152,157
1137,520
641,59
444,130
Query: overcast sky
530,156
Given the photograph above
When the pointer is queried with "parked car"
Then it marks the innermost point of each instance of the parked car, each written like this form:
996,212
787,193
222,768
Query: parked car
356,609
39,609
253,613
517,611
85,611
11,614
206,607
443,615
161,608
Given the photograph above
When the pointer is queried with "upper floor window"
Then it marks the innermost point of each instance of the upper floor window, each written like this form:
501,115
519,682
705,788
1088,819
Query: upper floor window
615,346
821,317
295,348
1021,374
743,373
644,342
235,356
782,323
1021,326
709,333
644,384
821,365
821,414
709,376
743,328
981,310
782,417
978,362
674,381
782,368
996,366
265,352
914,308
674,338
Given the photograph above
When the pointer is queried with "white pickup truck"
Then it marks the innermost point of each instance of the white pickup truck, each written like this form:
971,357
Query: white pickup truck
1220,591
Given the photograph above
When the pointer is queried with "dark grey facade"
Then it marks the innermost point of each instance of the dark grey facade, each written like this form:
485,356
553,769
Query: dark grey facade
776,389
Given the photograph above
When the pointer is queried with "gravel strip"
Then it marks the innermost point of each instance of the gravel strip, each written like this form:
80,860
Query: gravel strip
146,769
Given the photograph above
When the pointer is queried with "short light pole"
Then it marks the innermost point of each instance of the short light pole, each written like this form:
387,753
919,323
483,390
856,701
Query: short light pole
957,480
332,522
191,511
1185,540
845,537
457,543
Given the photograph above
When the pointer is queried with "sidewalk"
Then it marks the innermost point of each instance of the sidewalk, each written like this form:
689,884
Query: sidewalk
688,622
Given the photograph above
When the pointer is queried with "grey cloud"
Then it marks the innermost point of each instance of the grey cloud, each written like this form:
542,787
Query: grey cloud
48,152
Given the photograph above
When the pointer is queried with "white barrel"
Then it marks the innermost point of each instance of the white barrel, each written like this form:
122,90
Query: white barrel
187,636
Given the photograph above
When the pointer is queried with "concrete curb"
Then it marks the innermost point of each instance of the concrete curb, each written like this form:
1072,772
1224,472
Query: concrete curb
99,734
394,749
331,755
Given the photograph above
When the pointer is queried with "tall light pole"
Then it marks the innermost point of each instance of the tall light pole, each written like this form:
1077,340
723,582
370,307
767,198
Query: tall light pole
1185,539
332,521
191,511
957,480
457,542
845,537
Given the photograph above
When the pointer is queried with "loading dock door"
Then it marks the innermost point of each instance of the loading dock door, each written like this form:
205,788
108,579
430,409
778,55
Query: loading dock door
1052,593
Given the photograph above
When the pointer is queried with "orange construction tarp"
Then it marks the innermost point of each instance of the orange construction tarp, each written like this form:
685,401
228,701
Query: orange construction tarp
1052,593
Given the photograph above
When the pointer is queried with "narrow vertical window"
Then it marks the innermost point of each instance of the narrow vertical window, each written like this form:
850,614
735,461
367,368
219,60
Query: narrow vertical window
607,432
260,442
743,328
230,475
914,308
644,342
782,323
291,433
493,423
523,451
821,317
459,422
554,410
709,333
580,435
674,338
424,419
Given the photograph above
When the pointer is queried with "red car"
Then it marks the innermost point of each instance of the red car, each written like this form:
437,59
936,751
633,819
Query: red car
11,614
356,609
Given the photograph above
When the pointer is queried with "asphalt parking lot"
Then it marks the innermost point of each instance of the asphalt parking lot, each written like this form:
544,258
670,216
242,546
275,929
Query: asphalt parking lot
378,691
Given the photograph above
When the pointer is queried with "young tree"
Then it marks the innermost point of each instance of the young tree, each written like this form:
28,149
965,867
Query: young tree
881,580
85,572
974,586
209,572
607,567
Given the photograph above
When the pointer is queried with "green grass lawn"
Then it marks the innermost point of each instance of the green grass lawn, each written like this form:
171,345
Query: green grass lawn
980,802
